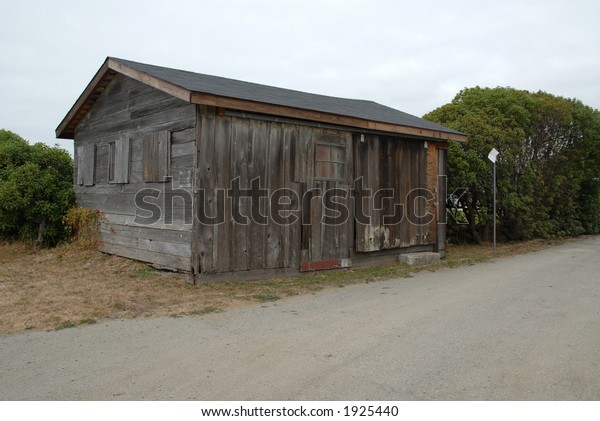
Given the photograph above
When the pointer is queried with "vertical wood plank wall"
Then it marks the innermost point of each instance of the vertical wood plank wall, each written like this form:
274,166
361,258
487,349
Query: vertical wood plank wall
442,196
433,205
322,241
233,148
401,166
281,155
131,109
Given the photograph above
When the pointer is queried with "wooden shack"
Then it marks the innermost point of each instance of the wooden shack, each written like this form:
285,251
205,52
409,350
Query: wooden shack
229,179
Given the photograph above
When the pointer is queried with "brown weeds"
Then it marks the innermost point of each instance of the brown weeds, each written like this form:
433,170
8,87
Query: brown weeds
46,289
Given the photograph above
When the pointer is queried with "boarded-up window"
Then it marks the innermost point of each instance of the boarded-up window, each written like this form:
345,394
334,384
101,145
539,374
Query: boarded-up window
330,162
118,161
86,163
157,156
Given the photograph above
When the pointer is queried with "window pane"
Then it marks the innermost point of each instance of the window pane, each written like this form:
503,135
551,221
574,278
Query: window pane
338,171
330,161
338,154
322,153
322,169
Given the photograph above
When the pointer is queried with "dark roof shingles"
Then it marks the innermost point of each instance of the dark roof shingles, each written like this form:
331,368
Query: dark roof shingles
232,88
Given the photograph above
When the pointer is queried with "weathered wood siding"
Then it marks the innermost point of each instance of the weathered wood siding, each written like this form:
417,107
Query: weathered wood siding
208,149
436,184
231,148
322,241
396,168
279,156
131,109
432,185
442,152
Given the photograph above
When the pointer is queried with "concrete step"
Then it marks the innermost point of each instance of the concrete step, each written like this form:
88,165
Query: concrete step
423,258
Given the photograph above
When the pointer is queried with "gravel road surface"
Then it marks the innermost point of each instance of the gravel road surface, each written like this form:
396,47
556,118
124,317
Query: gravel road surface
523,327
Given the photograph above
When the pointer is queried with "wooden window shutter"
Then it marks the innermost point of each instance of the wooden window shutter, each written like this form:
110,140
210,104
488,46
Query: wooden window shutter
157,156
86,163
112,157
164,154
149,157
121,161
79,155
89,164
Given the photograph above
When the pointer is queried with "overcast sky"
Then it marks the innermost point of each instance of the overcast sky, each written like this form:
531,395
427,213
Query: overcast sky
414,56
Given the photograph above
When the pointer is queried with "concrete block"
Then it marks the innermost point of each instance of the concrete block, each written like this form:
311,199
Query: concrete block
423,258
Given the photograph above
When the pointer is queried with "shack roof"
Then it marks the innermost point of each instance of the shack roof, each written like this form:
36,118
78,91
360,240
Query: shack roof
252,97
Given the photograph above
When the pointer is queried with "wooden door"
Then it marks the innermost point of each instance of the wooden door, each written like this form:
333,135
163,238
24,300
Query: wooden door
327,214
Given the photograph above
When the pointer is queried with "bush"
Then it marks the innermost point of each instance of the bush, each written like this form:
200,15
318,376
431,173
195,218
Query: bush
83,226
547,171
36,190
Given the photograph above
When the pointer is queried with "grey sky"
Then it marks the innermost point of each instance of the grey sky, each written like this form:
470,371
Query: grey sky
413,56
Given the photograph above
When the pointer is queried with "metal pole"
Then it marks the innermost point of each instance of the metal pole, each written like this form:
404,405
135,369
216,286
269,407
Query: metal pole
494,205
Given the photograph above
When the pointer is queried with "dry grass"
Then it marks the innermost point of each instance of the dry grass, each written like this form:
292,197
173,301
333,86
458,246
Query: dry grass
67,286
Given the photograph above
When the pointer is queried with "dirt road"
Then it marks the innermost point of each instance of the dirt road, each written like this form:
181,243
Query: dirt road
524,327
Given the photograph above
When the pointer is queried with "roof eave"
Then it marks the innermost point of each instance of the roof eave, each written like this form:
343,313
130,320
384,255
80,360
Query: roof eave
318,116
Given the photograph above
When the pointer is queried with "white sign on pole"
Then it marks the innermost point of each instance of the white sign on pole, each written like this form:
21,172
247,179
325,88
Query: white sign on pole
492,157
493,154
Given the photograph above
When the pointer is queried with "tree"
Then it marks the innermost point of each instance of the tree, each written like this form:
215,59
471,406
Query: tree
36,190
547,171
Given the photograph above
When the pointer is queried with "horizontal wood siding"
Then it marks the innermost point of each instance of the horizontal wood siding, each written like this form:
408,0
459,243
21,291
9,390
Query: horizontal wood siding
131,110
400,166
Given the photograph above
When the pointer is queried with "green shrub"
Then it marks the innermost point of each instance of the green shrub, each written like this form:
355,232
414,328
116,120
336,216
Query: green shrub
547,170
36,190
